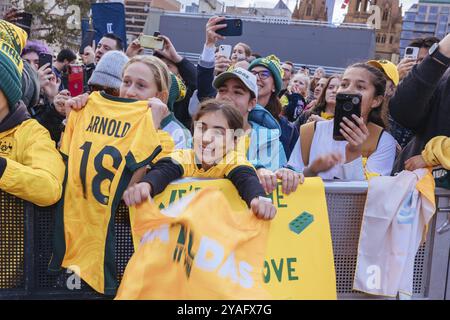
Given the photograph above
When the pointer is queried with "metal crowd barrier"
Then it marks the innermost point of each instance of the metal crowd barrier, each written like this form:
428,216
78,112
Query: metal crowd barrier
27,232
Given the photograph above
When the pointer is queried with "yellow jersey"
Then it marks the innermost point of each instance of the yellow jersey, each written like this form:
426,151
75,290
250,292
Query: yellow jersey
104,143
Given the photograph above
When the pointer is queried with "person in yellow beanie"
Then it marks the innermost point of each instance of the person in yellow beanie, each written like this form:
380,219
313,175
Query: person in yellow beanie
30,166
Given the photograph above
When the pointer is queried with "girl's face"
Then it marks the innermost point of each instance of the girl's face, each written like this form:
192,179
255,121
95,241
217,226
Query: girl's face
238,53
357,81
33,59
139,83
330,94
299,82
265,81
213,138
319,87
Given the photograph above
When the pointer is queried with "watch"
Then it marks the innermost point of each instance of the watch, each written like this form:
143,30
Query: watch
439,57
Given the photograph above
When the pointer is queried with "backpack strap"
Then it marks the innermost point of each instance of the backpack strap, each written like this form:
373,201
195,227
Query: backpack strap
371,144
306,137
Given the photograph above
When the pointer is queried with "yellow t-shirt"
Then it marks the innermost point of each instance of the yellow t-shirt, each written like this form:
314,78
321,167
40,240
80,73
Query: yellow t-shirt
437,152
104,143
192,167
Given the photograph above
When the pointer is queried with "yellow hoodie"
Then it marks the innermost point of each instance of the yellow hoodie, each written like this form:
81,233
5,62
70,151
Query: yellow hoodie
30,166
437,152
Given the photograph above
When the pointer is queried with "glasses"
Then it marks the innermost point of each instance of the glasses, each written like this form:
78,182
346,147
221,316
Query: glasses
263,75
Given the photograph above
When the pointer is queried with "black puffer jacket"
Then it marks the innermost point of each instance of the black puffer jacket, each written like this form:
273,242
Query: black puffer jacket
422,104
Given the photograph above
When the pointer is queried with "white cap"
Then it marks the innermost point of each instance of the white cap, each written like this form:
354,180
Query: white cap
246,77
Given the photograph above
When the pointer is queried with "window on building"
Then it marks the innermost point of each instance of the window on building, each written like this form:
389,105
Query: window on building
309,11
391,40
383,39
409,26
385,14
423,9
445,9
378,38
358,5
434,10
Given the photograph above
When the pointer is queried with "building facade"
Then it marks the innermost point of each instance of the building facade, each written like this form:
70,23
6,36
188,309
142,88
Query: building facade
425,19
136,12
280,10
314,10
388,36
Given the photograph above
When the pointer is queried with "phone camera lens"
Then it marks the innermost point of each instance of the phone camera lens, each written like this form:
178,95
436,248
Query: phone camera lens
355,100
348,106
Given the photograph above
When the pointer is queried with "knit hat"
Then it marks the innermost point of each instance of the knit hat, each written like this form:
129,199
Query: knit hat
177,91
108,72
12,41
272,63
388,68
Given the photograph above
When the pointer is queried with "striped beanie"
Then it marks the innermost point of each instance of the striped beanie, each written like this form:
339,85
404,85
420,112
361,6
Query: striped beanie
12,41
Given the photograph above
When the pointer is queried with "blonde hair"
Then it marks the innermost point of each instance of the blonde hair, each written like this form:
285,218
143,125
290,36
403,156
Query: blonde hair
159,69
304,77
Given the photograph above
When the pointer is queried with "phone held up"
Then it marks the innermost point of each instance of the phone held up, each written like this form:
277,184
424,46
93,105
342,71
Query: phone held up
24,20
412,53
233,28
152,42
346,106
225,50
45,58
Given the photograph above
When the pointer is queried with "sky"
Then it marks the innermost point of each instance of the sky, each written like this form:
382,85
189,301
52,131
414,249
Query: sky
338,13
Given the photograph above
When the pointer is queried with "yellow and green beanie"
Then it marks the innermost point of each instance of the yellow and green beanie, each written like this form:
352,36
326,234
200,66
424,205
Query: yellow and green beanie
177,91
12,41
273,64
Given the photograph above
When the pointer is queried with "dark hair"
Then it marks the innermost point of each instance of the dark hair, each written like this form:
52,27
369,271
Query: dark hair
427,42
321,101
111,91
274,106
234,118
66,54
292,65
377,115
119,42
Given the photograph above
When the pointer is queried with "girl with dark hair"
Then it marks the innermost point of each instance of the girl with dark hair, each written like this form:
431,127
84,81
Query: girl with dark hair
368,150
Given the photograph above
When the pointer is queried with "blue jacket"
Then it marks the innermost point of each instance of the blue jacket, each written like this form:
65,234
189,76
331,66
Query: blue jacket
265,150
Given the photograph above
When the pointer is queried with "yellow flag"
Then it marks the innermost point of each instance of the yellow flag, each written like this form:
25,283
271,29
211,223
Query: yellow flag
196,249
299,261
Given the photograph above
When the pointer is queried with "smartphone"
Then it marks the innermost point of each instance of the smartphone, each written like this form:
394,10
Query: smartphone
151,42
225,50
88,40
233,28
411,53
45,58
75,80
346,106
24,20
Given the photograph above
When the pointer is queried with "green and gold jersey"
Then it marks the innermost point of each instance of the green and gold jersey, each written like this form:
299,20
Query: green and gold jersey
103,144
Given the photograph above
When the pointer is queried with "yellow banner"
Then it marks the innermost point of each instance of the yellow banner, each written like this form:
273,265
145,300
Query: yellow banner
299,261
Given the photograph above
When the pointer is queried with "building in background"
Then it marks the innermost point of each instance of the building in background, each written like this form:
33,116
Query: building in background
314,10
388,37
136,12
425,19
211,6
280,10
4,6
192,8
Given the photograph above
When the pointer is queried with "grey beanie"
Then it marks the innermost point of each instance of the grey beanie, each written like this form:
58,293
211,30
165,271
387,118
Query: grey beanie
108,72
